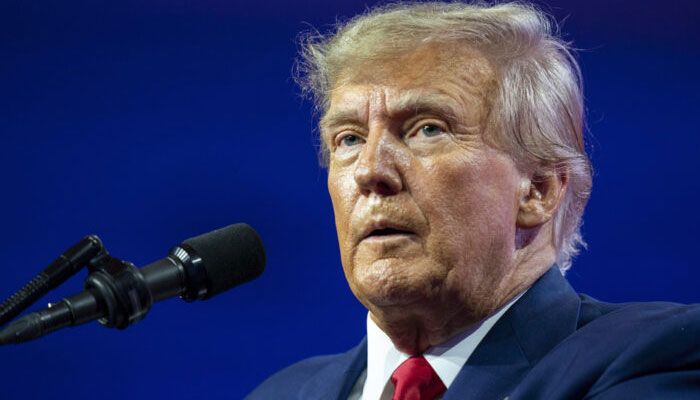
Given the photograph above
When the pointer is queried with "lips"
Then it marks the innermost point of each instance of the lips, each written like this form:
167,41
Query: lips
385,229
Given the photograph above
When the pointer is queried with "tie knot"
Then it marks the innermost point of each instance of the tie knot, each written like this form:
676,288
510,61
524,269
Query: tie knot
415,379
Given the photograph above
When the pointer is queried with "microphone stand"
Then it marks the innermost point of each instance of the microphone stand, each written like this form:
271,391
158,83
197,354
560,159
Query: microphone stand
86,251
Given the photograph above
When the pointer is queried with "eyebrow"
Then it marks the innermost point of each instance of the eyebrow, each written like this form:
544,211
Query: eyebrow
339,118
427,103
411,103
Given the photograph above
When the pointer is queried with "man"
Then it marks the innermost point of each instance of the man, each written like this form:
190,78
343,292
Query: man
456,167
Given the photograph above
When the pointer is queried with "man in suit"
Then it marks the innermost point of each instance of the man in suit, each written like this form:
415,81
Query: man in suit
456,167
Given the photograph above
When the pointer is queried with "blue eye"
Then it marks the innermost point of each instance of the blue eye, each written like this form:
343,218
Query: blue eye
431,130
350,140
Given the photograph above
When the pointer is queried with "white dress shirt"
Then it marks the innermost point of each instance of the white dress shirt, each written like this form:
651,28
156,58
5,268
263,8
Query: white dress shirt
447,359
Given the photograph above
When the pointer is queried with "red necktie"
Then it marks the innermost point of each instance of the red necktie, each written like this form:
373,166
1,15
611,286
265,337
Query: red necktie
415,379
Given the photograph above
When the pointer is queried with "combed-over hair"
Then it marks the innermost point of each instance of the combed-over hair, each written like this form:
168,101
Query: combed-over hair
536,110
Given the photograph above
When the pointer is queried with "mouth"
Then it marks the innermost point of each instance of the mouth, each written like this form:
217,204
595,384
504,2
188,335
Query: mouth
381,231
388,232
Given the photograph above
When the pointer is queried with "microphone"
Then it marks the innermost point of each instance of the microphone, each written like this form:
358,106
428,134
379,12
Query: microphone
118,294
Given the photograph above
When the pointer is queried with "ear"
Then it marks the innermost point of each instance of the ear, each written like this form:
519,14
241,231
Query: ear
542,195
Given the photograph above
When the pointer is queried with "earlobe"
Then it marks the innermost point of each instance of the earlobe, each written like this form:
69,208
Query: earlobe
542,195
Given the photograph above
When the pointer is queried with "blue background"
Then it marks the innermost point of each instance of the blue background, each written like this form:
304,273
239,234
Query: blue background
148,122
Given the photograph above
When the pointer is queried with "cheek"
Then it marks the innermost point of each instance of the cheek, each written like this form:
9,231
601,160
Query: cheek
470,205
341,190
343,194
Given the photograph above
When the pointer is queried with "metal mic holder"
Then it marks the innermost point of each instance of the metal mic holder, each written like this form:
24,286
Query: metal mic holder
120,291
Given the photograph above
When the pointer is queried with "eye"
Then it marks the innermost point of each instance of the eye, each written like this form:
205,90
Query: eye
431,130
349,140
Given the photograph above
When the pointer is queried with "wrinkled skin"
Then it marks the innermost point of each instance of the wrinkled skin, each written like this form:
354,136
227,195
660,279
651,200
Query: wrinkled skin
426,211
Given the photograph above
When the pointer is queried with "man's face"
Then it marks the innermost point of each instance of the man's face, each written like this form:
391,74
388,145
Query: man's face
425,210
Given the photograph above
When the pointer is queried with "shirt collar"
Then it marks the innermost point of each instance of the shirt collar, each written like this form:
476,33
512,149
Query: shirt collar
447,359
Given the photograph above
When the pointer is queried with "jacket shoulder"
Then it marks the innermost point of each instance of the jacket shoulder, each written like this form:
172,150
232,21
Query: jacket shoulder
316,377
601,313
629,350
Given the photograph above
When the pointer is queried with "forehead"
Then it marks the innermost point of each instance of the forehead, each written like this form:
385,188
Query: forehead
428,74
416,66
446,78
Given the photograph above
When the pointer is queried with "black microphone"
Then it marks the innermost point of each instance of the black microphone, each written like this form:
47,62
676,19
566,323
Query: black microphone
119,294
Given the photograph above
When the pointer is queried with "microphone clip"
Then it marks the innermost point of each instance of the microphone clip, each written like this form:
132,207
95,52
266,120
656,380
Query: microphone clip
120,289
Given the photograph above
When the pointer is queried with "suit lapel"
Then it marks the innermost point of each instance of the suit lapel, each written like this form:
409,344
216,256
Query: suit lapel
337,379
542,318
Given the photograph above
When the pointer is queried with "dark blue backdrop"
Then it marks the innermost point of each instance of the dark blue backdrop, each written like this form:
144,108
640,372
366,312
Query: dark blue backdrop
147,122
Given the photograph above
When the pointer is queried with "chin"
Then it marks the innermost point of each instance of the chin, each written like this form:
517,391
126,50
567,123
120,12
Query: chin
396,282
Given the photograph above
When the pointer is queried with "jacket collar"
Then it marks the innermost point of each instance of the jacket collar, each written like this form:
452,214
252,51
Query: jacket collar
542,318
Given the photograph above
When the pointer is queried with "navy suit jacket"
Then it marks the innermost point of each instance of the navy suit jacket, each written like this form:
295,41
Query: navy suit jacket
551,344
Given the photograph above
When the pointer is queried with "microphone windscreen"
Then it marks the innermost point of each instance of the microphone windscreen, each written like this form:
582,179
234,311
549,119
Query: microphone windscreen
231,256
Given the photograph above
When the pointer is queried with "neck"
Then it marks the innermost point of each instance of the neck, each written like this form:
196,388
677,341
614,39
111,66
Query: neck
414,328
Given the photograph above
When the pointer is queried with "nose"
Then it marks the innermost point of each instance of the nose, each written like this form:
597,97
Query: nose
377,169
